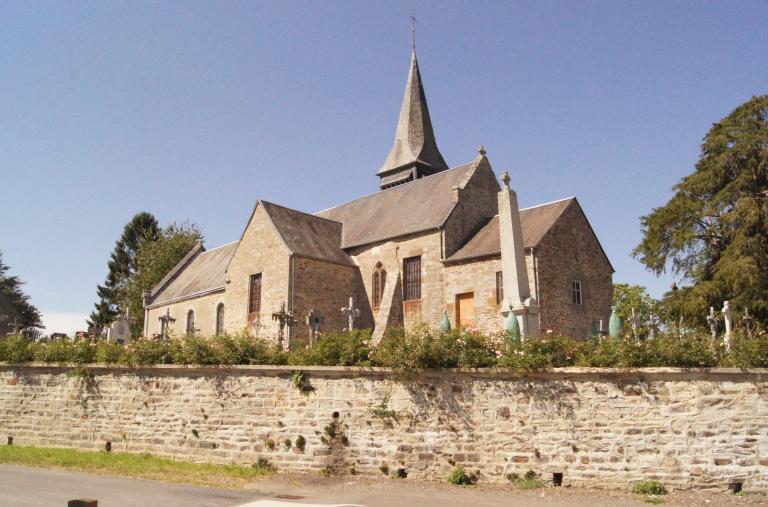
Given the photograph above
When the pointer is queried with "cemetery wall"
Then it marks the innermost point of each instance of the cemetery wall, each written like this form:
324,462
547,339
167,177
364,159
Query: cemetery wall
603,428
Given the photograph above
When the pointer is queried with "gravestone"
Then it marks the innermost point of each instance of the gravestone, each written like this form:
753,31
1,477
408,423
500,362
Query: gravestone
119,331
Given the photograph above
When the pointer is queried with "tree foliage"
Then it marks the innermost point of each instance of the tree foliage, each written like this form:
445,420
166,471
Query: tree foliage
122,265
627,297
15,308
154,260
713,233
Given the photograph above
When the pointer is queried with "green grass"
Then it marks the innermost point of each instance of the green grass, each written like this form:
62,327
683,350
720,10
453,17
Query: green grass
654,500
649,488
142,466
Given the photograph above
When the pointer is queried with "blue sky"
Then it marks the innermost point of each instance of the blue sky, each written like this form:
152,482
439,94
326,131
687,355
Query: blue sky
193,110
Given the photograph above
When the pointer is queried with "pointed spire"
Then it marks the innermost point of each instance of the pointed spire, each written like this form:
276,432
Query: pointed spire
414,153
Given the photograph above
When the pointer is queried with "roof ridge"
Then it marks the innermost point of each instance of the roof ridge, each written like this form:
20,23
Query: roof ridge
403,185
300,212
221,246
548,203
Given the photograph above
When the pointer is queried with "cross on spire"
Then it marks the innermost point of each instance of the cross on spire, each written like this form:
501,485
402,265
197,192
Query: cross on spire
413,31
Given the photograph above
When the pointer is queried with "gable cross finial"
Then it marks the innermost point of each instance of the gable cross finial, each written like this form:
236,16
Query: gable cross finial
413,30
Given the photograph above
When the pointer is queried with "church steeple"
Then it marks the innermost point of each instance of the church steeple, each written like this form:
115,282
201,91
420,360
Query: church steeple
414,153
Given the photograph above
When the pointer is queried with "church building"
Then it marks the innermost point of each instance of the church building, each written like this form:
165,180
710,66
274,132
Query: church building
435,242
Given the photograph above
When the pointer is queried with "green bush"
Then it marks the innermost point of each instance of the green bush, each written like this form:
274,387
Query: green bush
459,477
649,488
16,349
335,349
402,351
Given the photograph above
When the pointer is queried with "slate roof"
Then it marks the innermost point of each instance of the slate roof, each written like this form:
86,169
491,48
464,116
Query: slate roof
416,206
414,136
536,222
308,235
204,272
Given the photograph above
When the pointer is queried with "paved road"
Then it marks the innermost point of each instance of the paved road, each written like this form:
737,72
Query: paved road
39,487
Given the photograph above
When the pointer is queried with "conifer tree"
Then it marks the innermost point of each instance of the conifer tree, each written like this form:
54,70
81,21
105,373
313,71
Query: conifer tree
713,233
122,265
16,312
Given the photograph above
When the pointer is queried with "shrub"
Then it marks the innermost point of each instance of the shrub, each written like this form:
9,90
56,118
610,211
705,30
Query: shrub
109,352
144,352
335,349
459,477
16,349
649,488
530,480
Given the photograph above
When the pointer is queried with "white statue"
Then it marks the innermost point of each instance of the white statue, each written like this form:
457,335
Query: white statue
728,317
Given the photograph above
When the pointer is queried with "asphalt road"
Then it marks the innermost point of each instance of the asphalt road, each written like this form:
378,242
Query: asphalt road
40,487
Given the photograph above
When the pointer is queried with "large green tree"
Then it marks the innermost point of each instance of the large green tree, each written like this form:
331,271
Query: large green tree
628,297
16,312
713,233
154,260
122,266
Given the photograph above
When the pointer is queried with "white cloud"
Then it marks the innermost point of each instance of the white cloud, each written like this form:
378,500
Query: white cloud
68,323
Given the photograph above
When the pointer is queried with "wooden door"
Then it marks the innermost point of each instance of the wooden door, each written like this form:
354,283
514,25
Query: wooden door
465,310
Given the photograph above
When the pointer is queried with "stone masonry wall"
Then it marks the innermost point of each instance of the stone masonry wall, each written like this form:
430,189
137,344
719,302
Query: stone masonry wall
205,314
477,203
570,251
687,429
261,250
326,287
430,307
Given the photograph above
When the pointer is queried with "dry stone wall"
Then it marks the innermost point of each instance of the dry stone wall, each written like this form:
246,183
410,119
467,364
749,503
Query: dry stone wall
688,429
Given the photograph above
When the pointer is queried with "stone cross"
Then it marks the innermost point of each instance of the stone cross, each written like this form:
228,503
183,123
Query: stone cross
634,321
713,322
314,319
165,321
351,312
749,322
283,318
653,325
728,318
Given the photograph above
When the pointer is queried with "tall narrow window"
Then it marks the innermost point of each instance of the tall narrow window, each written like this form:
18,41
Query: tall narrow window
377,287
191,322
576,292
220,319
499,288
412,278
254,298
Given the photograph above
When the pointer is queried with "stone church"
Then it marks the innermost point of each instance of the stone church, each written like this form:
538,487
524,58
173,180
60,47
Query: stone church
434,242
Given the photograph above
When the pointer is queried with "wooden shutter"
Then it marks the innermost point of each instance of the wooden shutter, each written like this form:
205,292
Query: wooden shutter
254,299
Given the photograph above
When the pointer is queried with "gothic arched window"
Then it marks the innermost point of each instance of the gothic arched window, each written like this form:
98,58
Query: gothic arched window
220,319
191,322
377,287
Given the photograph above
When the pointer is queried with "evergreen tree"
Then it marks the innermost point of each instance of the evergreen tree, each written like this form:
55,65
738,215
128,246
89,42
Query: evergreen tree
122,265
154,260
713,233
15,308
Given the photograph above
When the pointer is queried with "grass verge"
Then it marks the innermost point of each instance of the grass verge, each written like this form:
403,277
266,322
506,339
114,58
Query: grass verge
141,466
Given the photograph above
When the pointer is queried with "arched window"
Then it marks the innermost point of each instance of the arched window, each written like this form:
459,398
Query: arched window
191,322
220,319
377,287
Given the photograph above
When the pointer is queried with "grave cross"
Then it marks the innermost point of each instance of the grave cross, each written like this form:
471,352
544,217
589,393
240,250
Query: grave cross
728,318
351,312
284,319
713,322
314,319
165,321
634,321
653,325
749,322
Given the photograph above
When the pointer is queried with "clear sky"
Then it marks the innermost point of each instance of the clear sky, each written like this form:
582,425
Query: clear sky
193,110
